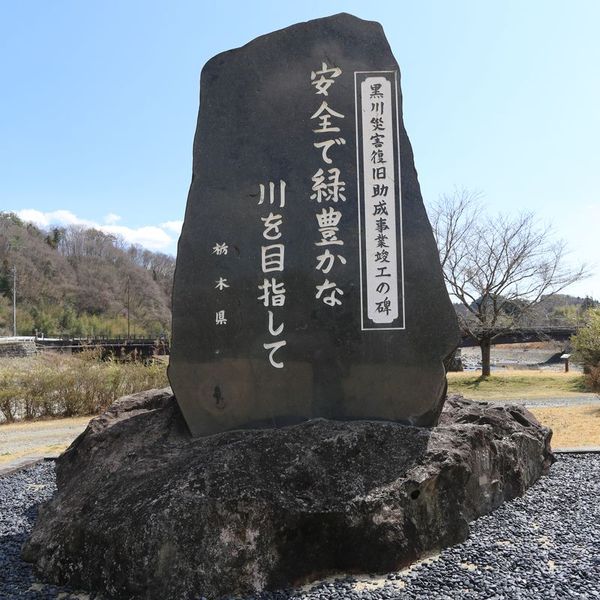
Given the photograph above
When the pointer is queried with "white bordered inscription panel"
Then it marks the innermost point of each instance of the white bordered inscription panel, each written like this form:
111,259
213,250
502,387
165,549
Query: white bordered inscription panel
380,206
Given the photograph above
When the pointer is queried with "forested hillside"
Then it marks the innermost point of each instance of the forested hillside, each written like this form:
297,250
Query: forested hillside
77,281
80,282
556,310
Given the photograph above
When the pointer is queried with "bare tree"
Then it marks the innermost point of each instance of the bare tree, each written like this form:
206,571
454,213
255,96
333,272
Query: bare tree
498,267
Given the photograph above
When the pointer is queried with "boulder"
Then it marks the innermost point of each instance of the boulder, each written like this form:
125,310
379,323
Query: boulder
144,510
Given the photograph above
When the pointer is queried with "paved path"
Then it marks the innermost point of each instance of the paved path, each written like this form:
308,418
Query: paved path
23,443
549,401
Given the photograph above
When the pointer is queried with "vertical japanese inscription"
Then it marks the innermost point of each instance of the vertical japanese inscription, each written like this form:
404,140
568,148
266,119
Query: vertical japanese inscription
328,186
380,207
272,259
220,249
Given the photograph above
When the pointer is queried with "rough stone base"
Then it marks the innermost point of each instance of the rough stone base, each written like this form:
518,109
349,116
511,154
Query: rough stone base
145,511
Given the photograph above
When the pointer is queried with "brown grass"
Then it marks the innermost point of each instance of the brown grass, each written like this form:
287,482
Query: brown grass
572,426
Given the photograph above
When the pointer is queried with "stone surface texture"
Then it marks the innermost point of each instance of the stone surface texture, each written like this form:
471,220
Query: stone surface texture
254,127
144,510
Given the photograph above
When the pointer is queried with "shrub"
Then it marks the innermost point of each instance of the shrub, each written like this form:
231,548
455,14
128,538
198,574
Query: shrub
593,378
9,394
53,384
586,344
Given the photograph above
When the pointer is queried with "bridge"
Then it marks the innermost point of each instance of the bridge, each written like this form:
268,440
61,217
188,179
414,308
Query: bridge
145,348
116,347
525,334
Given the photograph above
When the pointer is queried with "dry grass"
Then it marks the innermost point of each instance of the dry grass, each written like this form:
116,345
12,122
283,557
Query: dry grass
510,384
61,385
572,426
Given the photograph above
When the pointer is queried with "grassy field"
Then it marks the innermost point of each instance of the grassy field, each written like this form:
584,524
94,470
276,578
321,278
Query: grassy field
572,426
576,426
507,384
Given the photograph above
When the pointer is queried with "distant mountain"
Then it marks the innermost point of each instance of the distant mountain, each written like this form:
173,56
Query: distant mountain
557,310
77,281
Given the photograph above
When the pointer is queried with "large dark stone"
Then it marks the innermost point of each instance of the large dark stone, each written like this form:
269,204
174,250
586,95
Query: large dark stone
145,511
345,356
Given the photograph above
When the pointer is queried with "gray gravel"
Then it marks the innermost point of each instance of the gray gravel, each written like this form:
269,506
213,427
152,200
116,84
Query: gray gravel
20,493
544,545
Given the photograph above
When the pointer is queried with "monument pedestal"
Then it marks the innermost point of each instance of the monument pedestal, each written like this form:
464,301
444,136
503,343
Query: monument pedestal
143,510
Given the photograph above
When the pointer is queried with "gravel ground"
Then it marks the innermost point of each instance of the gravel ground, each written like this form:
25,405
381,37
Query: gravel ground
544,545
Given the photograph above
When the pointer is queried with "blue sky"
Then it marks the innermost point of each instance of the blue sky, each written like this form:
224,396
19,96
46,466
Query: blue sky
99,100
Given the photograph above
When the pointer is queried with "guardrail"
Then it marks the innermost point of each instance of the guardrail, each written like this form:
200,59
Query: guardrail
118,347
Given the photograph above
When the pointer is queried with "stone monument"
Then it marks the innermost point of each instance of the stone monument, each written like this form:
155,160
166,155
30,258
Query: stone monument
307,285
308,282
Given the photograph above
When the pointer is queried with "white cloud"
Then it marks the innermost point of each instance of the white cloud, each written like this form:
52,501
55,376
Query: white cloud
111,218
56,217
174,226
34,216
149,236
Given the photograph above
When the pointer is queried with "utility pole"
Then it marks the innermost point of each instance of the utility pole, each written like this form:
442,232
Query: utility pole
14,295
128,309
